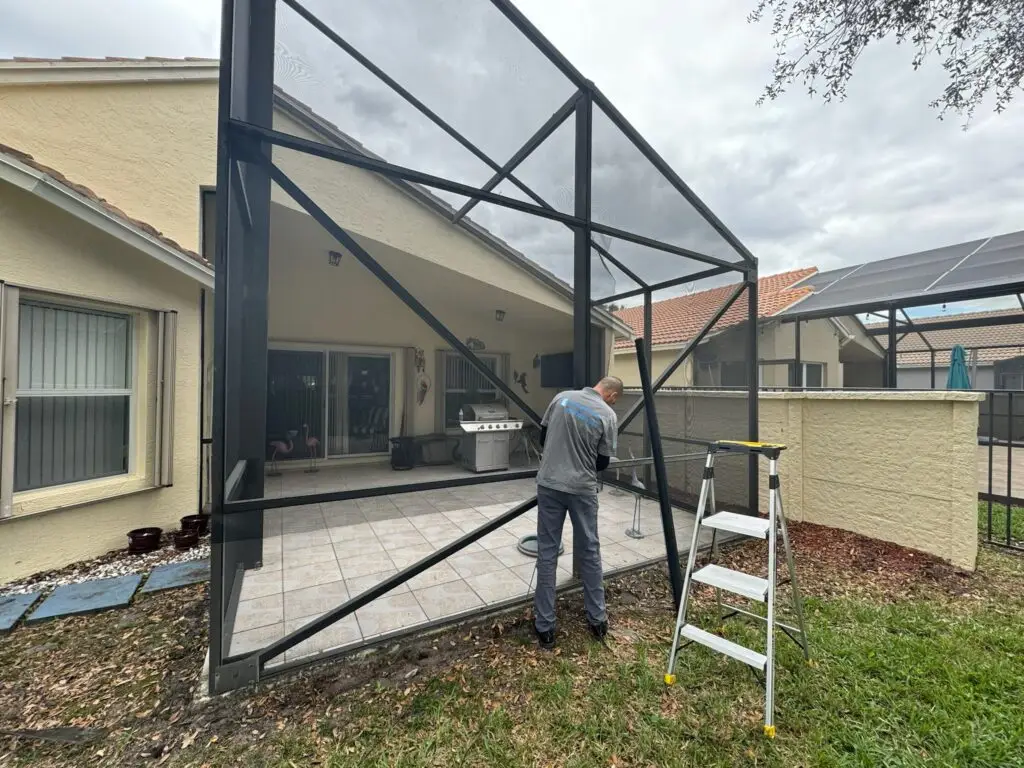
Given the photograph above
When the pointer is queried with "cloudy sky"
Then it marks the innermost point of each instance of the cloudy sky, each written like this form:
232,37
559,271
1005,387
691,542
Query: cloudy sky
799,182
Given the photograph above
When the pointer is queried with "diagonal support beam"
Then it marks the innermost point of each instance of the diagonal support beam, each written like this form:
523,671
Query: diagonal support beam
910,324
658,245
553,123
335,615
364,258
667,373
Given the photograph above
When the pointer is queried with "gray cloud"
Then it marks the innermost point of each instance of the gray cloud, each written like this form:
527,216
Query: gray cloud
799,182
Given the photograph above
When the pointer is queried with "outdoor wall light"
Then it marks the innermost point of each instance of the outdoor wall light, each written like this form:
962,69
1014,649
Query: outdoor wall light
499,315
334,258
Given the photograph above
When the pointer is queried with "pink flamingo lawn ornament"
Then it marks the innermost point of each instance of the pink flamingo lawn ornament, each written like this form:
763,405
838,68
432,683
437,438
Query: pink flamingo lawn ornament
312,448
281,448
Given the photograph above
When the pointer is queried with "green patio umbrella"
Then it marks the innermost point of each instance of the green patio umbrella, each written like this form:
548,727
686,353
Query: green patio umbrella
958,377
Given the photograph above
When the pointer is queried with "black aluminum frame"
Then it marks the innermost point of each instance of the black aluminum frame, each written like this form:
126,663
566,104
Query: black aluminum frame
245,172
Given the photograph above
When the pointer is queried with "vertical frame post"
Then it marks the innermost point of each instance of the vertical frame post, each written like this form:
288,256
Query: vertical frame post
581,243
890,352
240,311
668,524
797,377
753,497
648,349
933,369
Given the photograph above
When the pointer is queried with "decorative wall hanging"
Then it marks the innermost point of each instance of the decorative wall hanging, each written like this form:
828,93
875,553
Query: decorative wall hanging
422,387
520,379
536,361
421,360
475,345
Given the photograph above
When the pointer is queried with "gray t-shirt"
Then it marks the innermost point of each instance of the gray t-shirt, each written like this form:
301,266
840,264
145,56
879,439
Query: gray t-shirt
580,425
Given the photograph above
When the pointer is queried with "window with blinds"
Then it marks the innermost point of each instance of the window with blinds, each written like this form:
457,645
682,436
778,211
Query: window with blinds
74,395
464,385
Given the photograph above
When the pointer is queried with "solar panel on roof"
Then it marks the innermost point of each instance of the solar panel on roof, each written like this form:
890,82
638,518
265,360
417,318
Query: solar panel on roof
981,266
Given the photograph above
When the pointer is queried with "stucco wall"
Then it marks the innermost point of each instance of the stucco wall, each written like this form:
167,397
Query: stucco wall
624,366
81,262
146,147
896,466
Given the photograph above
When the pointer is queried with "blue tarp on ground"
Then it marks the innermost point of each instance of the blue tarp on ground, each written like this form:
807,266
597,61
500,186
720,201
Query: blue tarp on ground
87,597
13,607
177,575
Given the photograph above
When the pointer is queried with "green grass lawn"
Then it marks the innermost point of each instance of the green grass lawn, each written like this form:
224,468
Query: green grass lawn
999,523
921,668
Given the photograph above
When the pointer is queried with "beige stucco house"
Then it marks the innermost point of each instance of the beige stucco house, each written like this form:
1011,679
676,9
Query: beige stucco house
107,179
830,350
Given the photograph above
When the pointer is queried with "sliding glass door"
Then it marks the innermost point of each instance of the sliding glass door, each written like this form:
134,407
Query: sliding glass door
359,403
328,402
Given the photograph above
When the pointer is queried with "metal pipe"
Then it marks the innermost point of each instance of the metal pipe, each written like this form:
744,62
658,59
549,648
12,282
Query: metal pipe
364,258
933,369
1009,467
991,448
668,525
631,414
798,374
354,604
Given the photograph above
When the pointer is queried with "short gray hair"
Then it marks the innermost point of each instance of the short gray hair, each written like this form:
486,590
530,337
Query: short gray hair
611,384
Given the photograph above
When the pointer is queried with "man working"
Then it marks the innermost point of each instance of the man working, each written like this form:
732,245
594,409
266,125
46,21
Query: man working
579,436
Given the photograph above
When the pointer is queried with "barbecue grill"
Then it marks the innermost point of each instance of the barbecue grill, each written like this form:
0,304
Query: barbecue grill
485,444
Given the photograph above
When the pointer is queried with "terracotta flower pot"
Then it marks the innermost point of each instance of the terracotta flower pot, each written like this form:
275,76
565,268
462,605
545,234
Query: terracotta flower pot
198,523
144,540
186,538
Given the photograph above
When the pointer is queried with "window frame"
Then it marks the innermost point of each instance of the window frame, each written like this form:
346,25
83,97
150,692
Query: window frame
131,375
152,350
501,367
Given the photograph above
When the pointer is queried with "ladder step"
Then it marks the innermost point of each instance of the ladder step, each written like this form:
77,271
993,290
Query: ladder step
745,525
734,650
743,584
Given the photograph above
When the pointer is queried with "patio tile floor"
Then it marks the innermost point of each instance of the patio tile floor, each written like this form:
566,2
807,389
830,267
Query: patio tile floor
317,557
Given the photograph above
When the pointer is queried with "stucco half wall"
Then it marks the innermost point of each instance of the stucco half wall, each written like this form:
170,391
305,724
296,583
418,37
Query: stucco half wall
48,250
895,466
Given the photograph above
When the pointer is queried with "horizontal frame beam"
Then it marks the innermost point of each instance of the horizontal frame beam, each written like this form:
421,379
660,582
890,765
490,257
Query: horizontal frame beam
391,171
952,324
388,170
714,272
280,502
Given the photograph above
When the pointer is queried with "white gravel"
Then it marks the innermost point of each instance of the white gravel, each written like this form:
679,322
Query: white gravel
107,566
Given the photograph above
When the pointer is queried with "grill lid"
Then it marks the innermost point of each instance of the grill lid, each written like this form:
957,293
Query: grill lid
483,412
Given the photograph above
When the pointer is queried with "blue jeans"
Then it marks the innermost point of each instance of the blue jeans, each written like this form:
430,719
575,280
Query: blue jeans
552,507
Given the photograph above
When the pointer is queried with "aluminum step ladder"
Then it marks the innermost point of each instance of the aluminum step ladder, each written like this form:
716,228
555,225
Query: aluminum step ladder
744,585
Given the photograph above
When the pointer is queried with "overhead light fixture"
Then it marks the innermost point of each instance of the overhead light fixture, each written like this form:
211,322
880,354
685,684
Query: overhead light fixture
499,315
334,258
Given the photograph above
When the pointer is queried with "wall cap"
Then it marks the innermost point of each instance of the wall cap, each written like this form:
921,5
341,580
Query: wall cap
925,396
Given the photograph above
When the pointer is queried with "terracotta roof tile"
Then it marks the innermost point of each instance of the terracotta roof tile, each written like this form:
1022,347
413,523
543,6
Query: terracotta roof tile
679,319
914,353
84,191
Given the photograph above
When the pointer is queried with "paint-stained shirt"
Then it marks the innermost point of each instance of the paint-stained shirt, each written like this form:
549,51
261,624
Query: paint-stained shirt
580,425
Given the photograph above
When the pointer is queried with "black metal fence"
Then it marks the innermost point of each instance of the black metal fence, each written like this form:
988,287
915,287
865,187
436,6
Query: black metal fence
1001,436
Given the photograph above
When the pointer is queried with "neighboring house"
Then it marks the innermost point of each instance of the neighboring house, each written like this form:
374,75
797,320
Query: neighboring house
826,346
108,323
993,360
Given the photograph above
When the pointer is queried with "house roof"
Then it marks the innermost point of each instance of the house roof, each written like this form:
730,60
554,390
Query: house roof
913,352
677,320
326,129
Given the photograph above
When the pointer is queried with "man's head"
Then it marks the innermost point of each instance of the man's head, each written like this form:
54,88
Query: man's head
609,388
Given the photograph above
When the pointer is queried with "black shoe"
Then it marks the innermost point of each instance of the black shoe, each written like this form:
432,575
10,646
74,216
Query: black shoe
599,631
546,640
